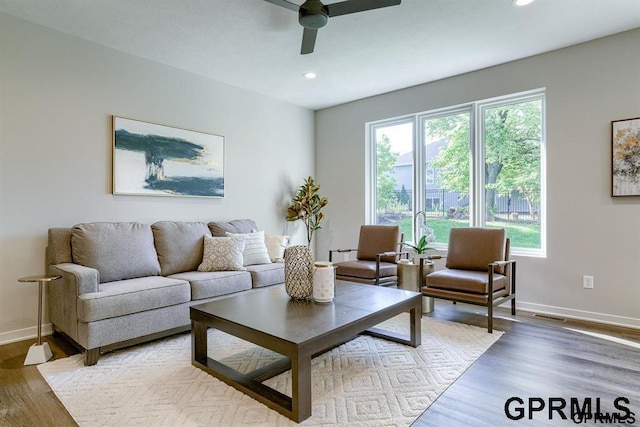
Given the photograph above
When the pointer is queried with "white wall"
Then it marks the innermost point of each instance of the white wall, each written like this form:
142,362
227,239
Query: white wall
57,96
588,233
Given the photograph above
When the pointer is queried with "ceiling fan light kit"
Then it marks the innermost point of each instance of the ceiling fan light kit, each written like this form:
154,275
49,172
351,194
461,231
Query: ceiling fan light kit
313,14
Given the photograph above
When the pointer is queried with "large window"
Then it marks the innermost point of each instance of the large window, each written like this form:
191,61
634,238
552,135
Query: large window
474,165
394,172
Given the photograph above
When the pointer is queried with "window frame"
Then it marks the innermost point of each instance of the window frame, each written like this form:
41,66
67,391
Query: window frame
477,111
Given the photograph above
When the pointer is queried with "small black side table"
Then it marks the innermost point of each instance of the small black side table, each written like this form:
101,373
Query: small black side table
39,352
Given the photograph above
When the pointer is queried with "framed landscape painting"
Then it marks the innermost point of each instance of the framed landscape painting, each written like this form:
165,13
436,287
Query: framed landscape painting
156,160
625,157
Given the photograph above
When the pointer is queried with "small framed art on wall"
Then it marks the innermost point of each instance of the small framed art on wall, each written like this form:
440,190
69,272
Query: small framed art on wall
625,157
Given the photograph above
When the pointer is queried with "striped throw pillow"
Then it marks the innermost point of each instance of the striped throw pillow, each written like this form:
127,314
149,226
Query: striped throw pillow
255,251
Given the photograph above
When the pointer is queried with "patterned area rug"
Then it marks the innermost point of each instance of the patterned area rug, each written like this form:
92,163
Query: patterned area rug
365,382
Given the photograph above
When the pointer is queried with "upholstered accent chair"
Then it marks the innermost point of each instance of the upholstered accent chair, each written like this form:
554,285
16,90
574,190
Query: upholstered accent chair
376,257
478,271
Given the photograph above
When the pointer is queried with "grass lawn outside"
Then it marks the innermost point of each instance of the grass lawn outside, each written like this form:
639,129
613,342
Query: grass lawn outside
522,235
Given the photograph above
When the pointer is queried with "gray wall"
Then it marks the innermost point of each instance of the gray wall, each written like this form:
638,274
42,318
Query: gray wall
57,96
588,232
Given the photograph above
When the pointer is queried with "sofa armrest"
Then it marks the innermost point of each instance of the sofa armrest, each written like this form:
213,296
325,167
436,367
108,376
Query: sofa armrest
83,279
63,296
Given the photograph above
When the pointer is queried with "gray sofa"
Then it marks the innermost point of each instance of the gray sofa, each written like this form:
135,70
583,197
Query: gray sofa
124,283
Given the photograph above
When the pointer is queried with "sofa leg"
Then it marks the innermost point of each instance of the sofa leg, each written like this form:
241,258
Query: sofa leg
91,356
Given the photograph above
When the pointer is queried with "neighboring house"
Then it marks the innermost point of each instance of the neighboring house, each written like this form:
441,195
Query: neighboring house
436,198
440,200
403,169
403,172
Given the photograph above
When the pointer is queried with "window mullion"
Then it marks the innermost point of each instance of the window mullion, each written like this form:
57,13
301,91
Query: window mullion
477,167
419,174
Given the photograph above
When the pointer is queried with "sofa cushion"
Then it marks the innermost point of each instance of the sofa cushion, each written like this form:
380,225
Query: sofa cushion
219,229
124,297
179,245
266,274
59,246
255,251
276,244
222,254
118,250
213,284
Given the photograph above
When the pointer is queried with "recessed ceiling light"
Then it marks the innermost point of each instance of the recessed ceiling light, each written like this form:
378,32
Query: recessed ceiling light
521,2
310,75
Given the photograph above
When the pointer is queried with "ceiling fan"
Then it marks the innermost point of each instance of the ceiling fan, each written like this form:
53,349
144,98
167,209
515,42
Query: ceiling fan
313,14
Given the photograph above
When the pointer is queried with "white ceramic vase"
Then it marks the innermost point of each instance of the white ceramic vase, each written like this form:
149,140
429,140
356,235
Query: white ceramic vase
323,281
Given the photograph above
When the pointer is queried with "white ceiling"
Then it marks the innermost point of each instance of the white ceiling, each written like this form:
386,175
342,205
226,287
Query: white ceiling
255,45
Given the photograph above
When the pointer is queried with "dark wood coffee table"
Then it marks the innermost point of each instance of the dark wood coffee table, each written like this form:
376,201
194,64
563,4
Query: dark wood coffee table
299,330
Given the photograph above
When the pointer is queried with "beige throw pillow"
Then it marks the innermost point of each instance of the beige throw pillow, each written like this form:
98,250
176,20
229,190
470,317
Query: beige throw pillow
222,254
255,251
276,244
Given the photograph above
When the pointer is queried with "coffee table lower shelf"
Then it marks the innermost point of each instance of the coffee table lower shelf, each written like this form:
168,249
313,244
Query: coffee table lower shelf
251,383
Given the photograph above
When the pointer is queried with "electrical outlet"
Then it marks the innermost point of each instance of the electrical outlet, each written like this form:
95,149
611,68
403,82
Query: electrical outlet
587,282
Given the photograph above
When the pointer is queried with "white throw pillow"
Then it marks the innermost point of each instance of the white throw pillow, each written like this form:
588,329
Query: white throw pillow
222,254
255,251
276,244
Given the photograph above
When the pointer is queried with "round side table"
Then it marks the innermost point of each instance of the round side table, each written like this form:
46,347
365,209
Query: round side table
38,352
409,280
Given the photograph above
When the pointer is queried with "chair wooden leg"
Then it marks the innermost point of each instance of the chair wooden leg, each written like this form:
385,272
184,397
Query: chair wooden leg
513,307
490,317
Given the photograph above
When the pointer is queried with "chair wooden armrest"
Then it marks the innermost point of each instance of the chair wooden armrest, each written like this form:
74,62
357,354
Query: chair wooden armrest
393,253
341,251
397,254
502,263
421,271
511,263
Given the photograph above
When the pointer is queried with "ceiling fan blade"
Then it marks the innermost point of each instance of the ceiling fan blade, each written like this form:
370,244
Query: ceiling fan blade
284,3
353,6
308,40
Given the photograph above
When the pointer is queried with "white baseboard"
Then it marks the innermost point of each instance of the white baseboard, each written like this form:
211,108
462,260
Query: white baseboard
589,316
24,334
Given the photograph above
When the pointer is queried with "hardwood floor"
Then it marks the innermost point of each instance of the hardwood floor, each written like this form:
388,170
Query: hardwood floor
535,358
25,397
541,359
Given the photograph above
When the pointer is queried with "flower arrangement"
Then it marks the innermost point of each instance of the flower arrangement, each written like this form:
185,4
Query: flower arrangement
427,236
307,206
